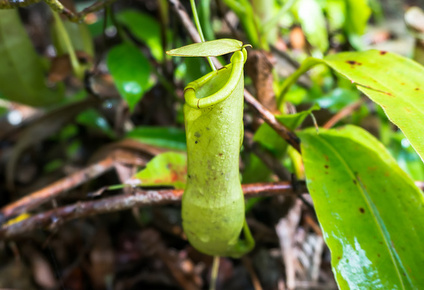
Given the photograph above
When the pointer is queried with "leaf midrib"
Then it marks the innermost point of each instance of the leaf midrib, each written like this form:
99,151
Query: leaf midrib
351,172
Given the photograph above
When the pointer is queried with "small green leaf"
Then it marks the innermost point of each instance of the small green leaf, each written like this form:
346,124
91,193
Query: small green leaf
336,14
144,27
267,136
93,119
208,48
311,17
371,212
130,70
166,137
358,13
166,169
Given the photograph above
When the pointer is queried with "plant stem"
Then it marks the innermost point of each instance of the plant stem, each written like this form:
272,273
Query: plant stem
199,29
64,37
214,274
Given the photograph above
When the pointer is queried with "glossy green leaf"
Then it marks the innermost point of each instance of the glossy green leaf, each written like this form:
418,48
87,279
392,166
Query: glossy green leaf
392,81
208,48
166,137
22,74
166,169
130,70
311,17
371,212
144,27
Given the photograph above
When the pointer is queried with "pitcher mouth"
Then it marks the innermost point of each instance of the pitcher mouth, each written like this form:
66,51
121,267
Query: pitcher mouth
235,73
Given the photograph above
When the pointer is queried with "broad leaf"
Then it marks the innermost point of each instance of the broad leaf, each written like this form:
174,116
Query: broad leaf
22,74
166,169
392,81
371,212
166,137
208,48
144,27
130,70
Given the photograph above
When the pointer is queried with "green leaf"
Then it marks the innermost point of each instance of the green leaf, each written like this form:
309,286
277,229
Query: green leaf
166,169
93,119
22,73
405,155
392,81
310,16
144,27
358,13
130,70
166,137
371,212
208,48
267,136
336,13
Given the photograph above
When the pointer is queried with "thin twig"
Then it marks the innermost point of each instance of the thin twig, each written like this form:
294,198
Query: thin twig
48,193
55,217
95,7
269,118
266,115
78,17
346,111
186,21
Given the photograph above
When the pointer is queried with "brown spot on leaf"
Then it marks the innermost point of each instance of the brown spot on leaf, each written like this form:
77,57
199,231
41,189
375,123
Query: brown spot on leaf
354,181
195,142
352,62
382,52
326,166
378,255
339,258
361,209
417,89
